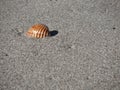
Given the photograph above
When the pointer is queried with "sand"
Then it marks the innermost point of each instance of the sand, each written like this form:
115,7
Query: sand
83,55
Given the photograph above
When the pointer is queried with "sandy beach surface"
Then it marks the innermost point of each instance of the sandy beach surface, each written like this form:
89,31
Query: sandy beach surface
83,55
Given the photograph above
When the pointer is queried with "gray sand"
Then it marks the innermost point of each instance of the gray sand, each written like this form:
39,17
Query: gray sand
84,55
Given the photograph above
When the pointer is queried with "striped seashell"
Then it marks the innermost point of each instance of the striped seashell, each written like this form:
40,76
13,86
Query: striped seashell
38,31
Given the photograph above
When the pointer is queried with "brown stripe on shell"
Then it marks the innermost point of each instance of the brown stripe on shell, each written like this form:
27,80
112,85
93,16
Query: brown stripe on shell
46,33
38,33
43,31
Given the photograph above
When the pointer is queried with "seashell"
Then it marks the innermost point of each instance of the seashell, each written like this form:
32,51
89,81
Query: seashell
38,31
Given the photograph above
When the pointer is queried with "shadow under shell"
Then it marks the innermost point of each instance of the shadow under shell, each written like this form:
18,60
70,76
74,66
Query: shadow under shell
53,33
